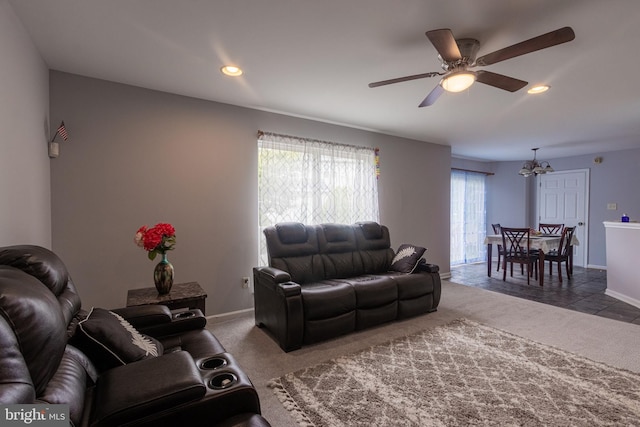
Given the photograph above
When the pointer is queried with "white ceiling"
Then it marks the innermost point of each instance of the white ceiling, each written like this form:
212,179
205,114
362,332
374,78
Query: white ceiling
314,59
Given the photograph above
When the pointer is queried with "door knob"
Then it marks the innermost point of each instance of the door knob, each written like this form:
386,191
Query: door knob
581,223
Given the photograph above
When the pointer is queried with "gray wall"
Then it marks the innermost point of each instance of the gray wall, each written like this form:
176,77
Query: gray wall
25,213
506,197
137,156
615,180
511,199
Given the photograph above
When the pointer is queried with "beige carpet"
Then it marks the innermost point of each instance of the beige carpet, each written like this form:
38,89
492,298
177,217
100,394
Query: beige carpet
604,340
460,374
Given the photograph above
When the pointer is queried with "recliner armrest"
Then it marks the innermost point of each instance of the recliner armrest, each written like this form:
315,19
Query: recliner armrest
146,388
158,320
145,315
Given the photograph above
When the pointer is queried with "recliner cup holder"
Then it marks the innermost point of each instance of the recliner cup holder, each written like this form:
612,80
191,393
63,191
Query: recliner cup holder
184,315
215,362
223,380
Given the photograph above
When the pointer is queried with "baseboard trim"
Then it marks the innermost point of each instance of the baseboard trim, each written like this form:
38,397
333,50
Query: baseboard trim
621,297
597,267
223,317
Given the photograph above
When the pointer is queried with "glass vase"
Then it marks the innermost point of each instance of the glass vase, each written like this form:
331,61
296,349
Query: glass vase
163,276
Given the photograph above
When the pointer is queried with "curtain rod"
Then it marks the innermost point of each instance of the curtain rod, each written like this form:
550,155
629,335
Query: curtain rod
301,139
469,170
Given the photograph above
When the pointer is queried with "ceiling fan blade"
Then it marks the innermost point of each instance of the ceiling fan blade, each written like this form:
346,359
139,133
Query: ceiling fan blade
403,79
445,44
544,41
432,97
500,81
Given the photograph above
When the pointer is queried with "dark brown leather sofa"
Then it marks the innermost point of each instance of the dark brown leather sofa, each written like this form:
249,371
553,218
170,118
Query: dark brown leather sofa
52,352
331,279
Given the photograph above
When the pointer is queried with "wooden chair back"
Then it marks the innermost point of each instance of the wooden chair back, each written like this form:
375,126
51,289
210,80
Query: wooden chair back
565,241
551,228
515,242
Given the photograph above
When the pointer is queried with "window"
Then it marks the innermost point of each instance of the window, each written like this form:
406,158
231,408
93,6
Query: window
313,182
468,217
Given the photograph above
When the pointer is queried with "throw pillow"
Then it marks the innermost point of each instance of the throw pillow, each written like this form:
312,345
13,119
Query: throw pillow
407,258
110,341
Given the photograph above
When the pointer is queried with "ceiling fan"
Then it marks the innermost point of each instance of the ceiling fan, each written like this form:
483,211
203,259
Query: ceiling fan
458,56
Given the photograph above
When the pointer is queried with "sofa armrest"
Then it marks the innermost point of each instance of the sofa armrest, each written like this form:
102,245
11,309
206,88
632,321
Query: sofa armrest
158,320
429,268
432,270
278,306
146,388
273,274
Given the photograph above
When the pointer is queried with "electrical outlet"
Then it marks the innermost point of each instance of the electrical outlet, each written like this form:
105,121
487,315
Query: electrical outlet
612,206
245,283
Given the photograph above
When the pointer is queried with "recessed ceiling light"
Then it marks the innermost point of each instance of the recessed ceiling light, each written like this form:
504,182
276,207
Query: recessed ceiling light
538,89
231,70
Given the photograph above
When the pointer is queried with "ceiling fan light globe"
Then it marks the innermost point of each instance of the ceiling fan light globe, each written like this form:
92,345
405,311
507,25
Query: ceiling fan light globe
458,81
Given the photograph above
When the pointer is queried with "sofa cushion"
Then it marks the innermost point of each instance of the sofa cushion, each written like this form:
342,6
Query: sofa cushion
342,266
337,232
301,269
291,232
371,230
407,258
338,251
373,291
110,341
293,248
49,269
322,300
412,285
68,385
32,334
372,236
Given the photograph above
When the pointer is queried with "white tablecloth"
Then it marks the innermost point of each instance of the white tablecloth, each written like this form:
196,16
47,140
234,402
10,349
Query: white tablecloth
544,243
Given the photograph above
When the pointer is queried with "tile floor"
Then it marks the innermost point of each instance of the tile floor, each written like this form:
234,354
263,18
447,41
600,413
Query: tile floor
584,292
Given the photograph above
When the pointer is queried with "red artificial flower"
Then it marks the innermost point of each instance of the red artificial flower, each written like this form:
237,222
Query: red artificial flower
158,239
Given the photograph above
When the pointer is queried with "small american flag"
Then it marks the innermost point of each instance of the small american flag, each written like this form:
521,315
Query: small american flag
62,131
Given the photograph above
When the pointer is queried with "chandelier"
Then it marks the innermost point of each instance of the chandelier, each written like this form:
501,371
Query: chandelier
533,167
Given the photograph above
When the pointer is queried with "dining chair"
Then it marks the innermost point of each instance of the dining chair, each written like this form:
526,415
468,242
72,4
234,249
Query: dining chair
496,230
517,250
562,254
550,228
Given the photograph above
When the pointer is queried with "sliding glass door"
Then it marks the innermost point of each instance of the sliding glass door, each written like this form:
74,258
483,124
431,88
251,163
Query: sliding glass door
468,217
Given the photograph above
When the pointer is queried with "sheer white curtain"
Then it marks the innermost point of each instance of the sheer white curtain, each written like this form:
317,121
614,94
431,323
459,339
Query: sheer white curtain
468,217
313,182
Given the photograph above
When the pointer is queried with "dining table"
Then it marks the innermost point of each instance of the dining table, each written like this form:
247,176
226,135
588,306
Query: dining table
543,243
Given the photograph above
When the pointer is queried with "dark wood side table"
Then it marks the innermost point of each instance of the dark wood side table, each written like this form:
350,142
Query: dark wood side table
182,295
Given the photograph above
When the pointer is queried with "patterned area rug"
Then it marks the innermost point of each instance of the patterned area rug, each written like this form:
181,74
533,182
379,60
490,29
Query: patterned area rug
461,374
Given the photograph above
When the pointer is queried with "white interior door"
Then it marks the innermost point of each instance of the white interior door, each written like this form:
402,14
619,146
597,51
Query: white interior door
563,197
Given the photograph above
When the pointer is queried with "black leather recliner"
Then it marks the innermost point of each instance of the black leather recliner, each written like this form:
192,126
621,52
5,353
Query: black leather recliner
193,381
